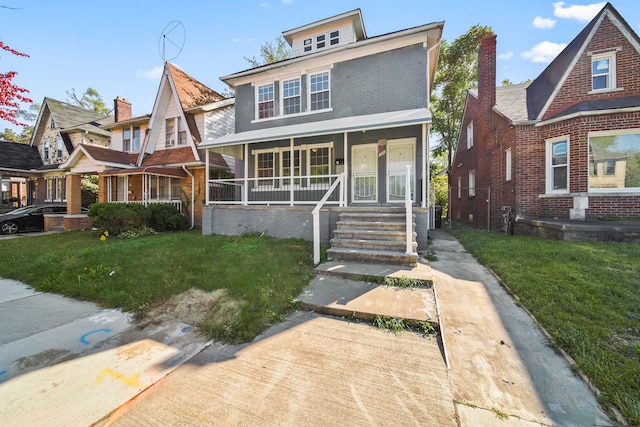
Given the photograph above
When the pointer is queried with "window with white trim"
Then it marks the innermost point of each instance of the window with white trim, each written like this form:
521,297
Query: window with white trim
285,165
334,37
164,188
603,71
59,148
469,135
131,139
182,133
507,164
265,167
46,147
169,128
614,160
291,96
122,188
55,191
472,183
319,91
459,187
558,165
266,102
311,161
319,164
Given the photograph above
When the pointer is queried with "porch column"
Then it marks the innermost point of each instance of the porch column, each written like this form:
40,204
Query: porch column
426,171
291,174
345,156
74,194
206,177
245,186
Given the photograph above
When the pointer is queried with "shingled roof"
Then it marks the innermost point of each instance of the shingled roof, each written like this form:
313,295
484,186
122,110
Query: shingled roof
19,157
70,117
190,91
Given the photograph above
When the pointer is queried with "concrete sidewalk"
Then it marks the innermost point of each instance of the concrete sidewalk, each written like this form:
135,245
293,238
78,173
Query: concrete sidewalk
65,362
492,365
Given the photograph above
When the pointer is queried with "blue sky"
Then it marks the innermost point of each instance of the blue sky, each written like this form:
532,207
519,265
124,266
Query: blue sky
112,45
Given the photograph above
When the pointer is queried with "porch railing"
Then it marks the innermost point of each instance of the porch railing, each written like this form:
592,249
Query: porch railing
297,190
316,214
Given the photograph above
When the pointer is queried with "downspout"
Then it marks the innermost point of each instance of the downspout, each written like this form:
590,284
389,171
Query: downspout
193,202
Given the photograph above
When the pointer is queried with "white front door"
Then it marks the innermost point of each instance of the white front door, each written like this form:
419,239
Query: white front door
364,183
400,153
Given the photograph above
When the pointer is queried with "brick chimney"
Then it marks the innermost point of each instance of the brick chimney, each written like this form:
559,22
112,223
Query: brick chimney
122,109
487,72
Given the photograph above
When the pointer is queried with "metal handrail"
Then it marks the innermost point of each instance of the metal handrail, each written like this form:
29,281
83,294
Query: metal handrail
316,215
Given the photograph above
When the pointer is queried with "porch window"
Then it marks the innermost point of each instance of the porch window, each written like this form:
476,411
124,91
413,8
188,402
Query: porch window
50,184
121,188
55,189
266,105
603,71
170,140
291,96
264,167
164,188
60,189
286,166
319,91
614,160
319,164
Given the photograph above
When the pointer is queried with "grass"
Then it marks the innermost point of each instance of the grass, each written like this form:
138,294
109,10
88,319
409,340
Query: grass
262,275
585,294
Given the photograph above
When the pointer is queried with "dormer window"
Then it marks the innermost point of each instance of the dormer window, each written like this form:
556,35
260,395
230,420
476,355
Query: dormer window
320,41
308,45
334,37
52,123
603,71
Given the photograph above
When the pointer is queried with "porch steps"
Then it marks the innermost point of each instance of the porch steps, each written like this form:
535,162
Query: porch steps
377,237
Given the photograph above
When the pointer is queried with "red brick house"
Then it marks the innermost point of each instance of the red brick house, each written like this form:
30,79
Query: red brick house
565,146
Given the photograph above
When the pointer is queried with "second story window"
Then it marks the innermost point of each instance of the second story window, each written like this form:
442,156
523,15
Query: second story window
319,91
470,135
266,106
52,124
131,139
126,139
291,96
308,45
334,37
182,133
603,72
136,139
46,149
170,133
59,148
320,41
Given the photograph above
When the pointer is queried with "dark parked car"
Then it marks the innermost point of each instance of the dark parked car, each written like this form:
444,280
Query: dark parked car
29,218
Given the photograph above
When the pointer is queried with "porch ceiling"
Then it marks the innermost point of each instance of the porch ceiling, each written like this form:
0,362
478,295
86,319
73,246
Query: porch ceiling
323,127
171,172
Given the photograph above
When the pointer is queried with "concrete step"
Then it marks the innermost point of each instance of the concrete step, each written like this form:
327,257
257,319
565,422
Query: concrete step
374,216
371,255
395,236
386,245
372,225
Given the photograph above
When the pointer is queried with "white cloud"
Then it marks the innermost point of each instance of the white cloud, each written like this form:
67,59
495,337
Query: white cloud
544,52
287,2
544,23
264,5
153,74
578,12
241,40
505,56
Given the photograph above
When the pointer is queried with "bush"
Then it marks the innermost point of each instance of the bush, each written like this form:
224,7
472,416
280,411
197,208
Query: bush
117,218
165,217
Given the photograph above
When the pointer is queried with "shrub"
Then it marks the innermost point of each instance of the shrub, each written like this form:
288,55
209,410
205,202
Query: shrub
118,217
165,217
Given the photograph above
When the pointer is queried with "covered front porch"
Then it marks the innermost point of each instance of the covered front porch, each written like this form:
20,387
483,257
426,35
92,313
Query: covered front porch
296,181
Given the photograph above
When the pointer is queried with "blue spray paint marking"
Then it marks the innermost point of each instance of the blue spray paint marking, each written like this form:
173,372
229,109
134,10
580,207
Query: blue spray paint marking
83,338
3,372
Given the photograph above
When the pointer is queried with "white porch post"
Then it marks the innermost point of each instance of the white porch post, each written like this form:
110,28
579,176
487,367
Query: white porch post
345,156
291,174
425,173
409,212
206,177
245,186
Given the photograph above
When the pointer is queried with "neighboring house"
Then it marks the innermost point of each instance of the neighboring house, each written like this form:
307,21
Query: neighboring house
19,164
345,109
59,129
156,158
565,146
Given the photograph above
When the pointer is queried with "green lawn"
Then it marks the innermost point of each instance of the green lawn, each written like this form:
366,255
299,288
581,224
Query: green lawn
261,275
585,294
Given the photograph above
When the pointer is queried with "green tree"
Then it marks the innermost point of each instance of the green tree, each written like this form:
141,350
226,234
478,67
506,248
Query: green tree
457,73
271,52
9,135
89,100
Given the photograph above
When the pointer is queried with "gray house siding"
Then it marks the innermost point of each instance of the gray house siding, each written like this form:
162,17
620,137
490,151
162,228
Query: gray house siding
361,86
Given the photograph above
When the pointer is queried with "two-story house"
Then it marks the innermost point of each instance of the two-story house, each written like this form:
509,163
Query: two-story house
565,146
156,158
346,117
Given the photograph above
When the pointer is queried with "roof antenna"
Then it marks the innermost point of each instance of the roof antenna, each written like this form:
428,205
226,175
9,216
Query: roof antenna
171,41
